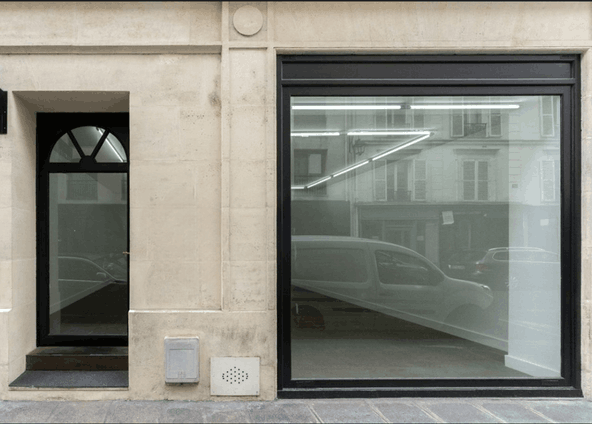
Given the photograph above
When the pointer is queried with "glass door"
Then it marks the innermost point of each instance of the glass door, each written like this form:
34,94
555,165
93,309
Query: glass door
83,265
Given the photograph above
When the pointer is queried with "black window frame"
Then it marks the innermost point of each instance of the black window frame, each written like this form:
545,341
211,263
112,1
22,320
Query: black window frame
438,75
50,126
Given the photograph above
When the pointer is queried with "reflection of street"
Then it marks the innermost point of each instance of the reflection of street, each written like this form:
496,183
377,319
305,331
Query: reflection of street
360,343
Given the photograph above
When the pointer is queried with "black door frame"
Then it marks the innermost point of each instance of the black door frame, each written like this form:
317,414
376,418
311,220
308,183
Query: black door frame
50,127
353,75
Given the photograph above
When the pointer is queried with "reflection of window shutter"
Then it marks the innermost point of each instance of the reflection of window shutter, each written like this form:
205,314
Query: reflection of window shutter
419,180
548,180
380,180
547,119
483,180
495,119
468,177
457,123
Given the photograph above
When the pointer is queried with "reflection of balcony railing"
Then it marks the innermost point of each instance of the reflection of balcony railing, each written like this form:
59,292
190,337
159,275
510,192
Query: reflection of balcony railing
82,190
318,190
475,130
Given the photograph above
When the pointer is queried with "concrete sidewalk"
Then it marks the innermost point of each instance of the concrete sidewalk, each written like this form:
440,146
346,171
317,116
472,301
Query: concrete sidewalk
304,411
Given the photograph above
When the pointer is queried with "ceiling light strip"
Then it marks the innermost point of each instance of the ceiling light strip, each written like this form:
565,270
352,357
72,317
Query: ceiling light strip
350,168
314,134
317,182
346,107
475,106
388,152
397,107
364,132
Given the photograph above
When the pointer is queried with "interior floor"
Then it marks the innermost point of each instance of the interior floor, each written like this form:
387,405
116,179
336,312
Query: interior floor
353,342
103,312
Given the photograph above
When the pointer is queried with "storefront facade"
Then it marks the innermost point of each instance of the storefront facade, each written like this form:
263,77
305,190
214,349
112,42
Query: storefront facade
193,153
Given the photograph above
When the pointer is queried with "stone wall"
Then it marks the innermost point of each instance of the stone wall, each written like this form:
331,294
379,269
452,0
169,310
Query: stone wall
201,98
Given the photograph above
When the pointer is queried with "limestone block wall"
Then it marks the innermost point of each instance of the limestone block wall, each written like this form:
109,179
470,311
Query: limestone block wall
200,87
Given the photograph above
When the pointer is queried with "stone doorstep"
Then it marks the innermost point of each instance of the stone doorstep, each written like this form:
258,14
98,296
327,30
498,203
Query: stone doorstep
78,358
71,380
77,367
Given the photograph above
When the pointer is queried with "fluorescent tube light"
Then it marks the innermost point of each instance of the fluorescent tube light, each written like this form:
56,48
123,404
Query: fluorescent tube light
350,168
314,134
113,148
484,106
400,147
346,107
363,132
317,182
425,134
111,145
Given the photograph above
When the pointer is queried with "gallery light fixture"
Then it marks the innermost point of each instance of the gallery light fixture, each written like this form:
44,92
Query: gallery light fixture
315,134
351,168
111,145
396,107
424,135
346,107
378,133
400,147
473,106
317,182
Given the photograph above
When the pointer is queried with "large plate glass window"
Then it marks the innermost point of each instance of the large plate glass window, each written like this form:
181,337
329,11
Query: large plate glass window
433,248
427,236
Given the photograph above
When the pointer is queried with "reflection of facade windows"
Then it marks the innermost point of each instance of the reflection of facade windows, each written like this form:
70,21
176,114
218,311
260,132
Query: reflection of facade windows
309,165
475,180
550,179
400,181
467,123
549,115
478,123
380,181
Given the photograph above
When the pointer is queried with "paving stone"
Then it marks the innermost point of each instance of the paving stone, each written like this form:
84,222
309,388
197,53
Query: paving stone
339,411
181,412
80,412
26,412
577,411
513,412
134,412
399,412
455,412
280,412
225,412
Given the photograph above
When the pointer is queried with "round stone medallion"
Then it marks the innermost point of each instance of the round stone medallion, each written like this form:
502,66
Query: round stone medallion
247,20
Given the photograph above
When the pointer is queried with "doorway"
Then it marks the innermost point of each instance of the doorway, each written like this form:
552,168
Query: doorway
83,229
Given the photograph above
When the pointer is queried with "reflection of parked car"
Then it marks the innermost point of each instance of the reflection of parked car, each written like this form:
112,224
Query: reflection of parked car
463,264
498,263
389,279
79,277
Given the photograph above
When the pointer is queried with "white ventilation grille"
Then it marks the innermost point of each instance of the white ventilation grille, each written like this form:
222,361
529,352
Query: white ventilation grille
234,376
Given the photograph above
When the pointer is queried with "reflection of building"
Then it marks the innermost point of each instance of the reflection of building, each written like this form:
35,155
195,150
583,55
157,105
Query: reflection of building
482,168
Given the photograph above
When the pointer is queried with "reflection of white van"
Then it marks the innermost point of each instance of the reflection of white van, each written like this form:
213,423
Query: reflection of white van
392,280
